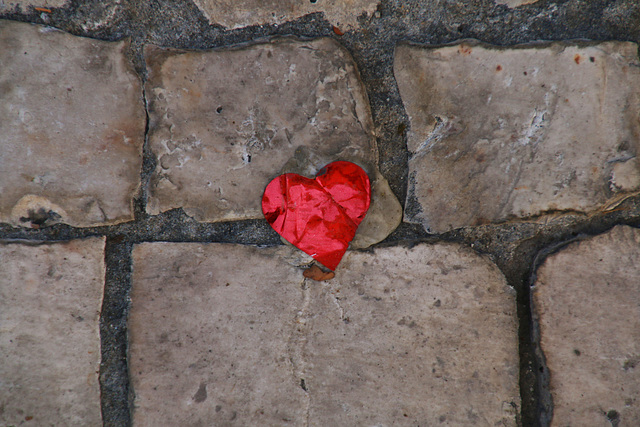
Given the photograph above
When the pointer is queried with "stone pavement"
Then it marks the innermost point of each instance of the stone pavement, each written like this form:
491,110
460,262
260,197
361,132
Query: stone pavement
495,280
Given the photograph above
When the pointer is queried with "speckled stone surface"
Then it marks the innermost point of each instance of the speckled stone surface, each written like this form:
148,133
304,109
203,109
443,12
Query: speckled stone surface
72,128
234,14
515,3
210,327
50,301
420,336
587,300
233,334
498,133
224,123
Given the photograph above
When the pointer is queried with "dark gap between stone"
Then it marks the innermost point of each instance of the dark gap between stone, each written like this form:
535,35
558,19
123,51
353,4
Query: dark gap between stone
115,391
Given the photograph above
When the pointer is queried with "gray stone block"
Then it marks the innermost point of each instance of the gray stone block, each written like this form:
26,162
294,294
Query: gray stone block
498,133
50,301
587,301
72,128
233,334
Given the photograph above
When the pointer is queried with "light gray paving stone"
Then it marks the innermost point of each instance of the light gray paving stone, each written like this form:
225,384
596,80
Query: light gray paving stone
515,3
587,301
241,13
499,133
209,336
224,123
422,335
50,301
72,128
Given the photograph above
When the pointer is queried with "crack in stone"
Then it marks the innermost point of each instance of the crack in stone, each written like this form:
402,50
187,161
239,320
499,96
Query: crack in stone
297,345
336,301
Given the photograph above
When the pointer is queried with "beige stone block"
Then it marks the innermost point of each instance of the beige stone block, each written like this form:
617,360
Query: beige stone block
499,133
25,5
50,301
210,329
417,336
515,3
587,301
233,334
242,13
226,122
72,128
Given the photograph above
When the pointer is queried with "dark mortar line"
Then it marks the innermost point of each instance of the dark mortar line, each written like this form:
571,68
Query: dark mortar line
115,389
533,361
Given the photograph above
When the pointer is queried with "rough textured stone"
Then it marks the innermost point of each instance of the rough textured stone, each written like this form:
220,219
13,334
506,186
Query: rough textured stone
72,128
221,332
50,300
515,3
587,301
224,123
497,133
209,336
417,336
241,13
25,5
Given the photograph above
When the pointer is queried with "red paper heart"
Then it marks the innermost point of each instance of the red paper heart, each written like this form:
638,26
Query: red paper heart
319,216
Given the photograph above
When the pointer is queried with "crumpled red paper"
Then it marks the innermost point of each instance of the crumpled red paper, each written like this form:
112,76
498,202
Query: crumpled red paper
319,216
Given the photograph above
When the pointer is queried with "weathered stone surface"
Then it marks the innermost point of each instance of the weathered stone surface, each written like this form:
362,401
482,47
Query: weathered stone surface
497,133
50,300
224,123
515,3
72,128
232,333
241,13
209,336
417,336
24,5
587,301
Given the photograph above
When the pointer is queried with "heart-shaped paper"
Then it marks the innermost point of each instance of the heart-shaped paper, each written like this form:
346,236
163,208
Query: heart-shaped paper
319,216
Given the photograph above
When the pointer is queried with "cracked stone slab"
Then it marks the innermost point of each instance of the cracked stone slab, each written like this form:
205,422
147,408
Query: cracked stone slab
500,133
209,336
230,333
50,301
417,336
72,129
241,13
586,299
223,123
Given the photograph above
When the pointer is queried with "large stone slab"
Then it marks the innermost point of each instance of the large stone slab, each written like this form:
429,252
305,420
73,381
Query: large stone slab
420,336
72,128
241,13
224,123
500,133
228,334
209,331
50,301
587,301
